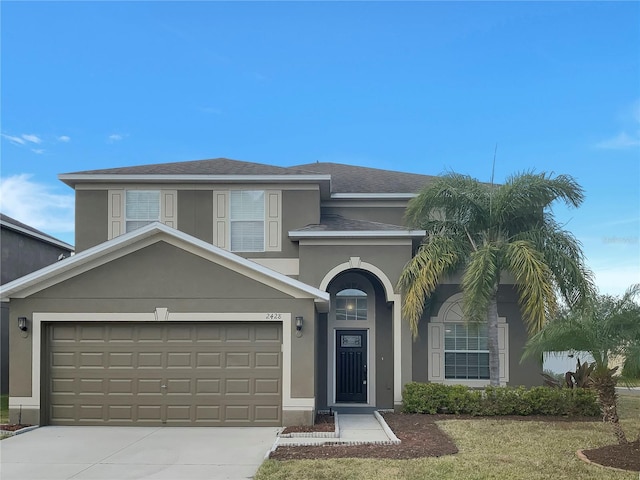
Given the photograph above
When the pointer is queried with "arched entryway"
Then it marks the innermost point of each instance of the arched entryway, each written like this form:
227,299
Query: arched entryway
357,343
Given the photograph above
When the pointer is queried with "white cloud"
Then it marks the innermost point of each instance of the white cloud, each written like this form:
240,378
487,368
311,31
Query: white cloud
37,205
38,151
64,138
31,138
115,137
12,139
621,141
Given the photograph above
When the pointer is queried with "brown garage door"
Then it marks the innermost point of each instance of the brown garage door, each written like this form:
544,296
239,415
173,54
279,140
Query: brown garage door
209,374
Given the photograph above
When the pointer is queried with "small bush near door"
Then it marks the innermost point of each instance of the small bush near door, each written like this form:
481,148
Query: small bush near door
457,399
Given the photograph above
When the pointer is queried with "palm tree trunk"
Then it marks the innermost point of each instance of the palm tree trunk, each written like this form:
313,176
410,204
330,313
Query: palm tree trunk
605,385
492,334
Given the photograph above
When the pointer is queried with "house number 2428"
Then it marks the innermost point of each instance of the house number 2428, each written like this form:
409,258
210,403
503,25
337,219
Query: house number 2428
274,316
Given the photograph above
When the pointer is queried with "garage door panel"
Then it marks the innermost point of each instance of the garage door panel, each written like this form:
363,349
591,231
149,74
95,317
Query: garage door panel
173,374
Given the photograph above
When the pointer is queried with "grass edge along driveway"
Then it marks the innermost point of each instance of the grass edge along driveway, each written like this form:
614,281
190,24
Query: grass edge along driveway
490,448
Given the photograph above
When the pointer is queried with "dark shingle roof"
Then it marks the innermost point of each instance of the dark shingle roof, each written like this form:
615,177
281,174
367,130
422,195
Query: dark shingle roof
338,223
215,166
344,178
9,222
353,179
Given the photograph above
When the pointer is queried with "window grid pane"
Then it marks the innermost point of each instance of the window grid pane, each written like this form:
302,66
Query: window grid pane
142,207
246,219
466,355
351,308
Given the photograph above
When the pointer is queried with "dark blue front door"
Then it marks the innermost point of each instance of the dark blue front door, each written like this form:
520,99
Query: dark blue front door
351,366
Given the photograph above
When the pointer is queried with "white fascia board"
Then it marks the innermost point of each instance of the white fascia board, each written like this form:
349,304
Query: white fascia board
359,234
74,178
373,196
44,238
118,243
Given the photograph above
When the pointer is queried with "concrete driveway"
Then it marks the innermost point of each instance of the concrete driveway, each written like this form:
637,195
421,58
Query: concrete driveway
121,453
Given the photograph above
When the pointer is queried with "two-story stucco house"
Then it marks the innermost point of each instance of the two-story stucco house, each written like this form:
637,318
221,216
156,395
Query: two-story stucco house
220,292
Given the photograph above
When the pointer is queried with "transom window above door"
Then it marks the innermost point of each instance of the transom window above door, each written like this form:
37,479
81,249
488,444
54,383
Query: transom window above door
142,207
351,304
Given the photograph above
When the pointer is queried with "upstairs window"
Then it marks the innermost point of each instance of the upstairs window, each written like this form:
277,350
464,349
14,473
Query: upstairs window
142,207
351,304
246,220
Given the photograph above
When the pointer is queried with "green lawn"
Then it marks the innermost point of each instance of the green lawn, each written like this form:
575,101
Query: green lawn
4,408
489,449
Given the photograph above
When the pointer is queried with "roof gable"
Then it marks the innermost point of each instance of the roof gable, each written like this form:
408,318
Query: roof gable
143,237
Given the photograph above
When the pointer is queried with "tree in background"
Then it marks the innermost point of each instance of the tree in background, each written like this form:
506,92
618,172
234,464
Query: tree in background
605,327
484,230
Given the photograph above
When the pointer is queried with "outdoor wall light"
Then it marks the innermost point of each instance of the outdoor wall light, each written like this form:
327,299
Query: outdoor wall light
299,321
22,323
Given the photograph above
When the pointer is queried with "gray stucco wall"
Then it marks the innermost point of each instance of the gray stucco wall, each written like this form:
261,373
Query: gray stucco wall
91,218
384,349
317,260
162,275
527,373
195,213
195,217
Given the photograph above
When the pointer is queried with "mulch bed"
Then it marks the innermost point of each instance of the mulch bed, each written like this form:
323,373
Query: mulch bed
12,427
419,434
626,457
421,437
324,423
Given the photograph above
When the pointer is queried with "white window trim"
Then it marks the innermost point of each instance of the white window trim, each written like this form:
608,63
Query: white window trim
435,347
117,204
272,221
257,219
160,314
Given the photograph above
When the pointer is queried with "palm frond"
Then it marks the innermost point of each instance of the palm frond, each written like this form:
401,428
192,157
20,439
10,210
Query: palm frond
563,254
480,281
422,274
534,283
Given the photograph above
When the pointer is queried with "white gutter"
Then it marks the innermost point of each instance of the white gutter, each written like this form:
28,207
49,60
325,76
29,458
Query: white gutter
159,178
373,196
358,234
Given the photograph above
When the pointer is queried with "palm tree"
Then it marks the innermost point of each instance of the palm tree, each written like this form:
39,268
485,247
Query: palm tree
484,230
606,326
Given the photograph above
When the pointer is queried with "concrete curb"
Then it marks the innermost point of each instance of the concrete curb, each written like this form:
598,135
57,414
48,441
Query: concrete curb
334,434
387,430
9,433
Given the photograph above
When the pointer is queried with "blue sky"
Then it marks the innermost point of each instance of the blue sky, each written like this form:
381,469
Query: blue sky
422,87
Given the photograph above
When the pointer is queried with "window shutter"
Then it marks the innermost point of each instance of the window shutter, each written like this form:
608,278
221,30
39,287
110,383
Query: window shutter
221,219
169,208
503,351
273,222
435,350
115,213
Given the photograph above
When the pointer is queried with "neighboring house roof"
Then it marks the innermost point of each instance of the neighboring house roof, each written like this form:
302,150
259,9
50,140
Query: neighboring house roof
145,236
15,225
338,226
345,179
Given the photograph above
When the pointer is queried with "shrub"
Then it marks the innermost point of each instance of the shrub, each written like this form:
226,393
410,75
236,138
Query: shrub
437,398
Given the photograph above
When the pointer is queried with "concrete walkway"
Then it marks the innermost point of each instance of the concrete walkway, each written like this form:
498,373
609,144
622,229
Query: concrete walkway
350,429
